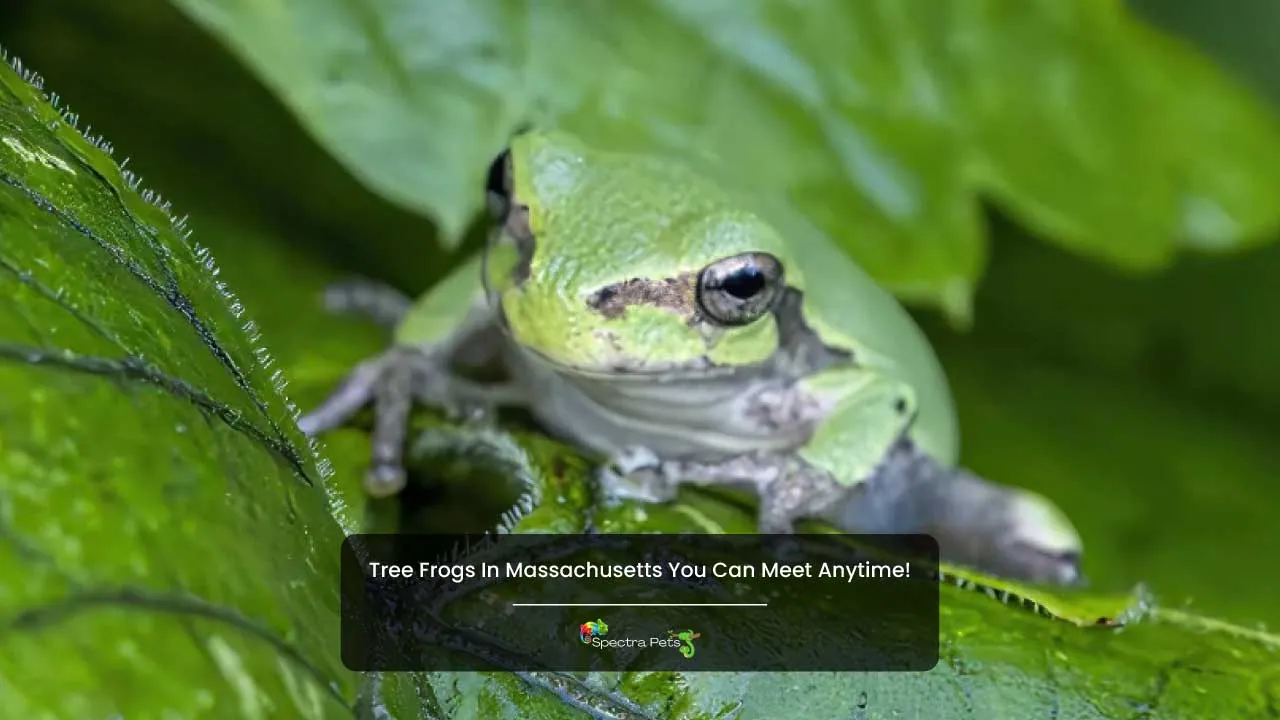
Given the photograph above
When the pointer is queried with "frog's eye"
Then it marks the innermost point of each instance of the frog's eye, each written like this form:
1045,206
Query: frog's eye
740,289
497,186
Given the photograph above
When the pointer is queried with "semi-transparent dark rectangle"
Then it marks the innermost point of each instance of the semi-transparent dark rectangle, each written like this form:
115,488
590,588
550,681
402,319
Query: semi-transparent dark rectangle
883,619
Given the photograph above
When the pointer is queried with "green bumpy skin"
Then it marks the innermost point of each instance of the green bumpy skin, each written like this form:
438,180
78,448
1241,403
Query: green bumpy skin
600,219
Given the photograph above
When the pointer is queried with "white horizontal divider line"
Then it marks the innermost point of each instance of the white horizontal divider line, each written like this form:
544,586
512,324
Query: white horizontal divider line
657,604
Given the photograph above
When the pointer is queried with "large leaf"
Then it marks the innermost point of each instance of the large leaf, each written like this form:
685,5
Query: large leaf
166,542
1001,417
1007,651
880,120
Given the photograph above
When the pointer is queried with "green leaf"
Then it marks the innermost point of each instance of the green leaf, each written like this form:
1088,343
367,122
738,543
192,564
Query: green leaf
1008,651
882,121
165,542
988,671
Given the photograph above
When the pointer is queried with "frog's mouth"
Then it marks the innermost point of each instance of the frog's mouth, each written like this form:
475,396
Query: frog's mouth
700,370
670,409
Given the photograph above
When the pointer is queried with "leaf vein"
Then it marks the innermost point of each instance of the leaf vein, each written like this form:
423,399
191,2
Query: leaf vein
43,616
57,298
136,369
169,291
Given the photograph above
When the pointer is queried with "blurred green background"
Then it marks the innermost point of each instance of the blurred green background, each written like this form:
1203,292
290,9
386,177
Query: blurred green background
1144,404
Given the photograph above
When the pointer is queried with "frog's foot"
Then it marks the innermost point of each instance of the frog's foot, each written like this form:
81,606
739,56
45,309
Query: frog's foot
1039,541
787,490
635,473
376,301
1005,531
392,382
793,492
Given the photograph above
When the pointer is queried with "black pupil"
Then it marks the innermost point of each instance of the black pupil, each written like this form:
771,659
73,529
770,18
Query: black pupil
744,283
496,182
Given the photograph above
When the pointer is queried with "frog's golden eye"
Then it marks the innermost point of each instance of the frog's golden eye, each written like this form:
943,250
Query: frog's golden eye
497,186
740,289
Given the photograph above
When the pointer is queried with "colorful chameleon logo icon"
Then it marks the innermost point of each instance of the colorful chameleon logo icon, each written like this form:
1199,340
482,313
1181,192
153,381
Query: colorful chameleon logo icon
686,638
592,628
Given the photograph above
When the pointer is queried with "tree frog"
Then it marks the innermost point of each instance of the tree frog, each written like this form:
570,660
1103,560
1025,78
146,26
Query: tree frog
642,312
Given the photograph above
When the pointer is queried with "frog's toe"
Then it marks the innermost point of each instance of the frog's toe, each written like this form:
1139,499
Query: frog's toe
1043,543
633,459
384,480
635,474
353,393
1037,566
470,411
377,301
645,485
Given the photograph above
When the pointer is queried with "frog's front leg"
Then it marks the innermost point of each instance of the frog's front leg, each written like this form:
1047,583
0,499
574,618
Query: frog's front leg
786,488
402,375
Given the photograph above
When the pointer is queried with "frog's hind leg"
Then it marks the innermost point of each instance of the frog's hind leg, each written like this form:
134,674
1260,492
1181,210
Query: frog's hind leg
1003,530
894,487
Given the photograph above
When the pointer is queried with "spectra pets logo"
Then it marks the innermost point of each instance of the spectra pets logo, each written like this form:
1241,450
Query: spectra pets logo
592,629
685,638
593,633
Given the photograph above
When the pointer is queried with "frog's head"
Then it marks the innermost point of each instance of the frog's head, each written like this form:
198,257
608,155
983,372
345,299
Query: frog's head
617,263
